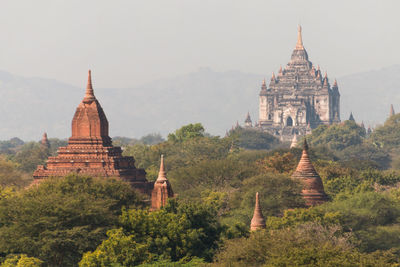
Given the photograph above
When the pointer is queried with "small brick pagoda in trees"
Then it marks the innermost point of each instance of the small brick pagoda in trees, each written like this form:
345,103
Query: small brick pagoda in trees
258,221
313,189
162,189
45,142
90,150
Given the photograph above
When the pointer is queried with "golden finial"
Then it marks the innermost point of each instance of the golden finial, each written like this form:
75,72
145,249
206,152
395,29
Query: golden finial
299,44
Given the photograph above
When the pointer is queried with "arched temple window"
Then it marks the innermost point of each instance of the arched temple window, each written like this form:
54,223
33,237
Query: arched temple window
289,121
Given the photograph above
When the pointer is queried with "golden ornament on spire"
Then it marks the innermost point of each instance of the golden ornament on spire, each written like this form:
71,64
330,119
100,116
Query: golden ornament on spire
299,44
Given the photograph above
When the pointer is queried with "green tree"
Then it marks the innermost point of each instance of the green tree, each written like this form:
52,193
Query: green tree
305,245
30,155
11,176
152,139
187,132
62,218
337,136
178,232
21,260
253,139
388,135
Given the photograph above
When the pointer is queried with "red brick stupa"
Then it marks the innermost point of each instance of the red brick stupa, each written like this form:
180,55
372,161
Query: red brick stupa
313,189
45,144
258,221
90,150
162,190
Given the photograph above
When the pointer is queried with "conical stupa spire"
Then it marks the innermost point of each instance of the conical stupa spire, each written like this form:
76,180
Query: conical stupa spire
280,71
335,83
248,119
258,221
299,44
162,175
273,77
45,142
313,189
326,79
391,111
351,118
162,189
263,85
89,95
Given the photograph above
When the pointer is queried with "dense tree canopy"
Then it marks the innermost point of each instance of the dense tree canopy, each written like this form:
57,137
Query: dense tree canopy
216,180
60,219
177,232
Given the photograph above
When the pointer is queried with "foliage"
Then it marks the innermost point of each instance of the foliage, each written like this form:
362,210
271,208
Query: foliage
277,193
279,163
178,232
305,245
149,139
11,176
337,136
55,143
61,218
252,139
21,260
388,135
10,146
187,132
210,174
152,139
30,155
178,154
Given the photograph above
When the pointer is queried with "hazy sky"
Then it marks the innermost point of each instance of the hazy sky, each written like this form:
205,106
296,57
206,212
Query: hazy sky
128,42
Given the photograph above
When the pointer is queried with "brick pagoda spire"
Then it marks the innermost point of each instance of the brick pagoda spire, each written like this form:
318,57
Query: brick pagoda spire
258,221
162,189
45,142
313,189
90,151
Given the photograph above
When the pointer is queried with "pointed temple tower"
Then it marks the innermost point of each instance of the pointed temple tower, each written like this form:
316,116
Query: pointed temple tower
247,122
162,190
45,142
258,221
313,189
298,96
90,150
392,113
351,117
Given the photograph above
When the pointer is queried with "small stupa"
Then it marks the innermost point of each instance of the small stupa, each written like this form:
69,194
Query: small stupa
313,189
162,190
258,221
45,142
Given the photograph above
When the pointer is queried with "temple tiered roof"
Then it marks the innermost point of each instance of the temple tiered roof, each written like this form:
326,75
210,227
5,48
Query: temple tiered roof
90,150
313,189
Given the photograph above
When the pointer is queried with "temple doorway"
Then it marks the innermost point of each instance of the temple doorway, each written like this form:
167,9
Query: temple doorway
289,121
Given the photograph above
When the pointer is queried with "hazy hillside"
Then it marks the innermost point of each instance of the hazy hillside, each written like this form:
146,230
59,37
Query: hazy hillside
30,106
369,94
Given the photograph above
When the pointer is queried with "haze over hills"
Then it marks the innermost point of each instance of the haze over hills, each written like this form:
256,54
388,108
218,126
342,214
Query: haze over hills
30,106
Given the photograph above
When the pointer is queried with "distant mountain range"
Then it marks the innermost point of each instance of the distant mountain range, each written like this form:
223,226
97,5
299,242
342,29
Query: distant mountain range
30,106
